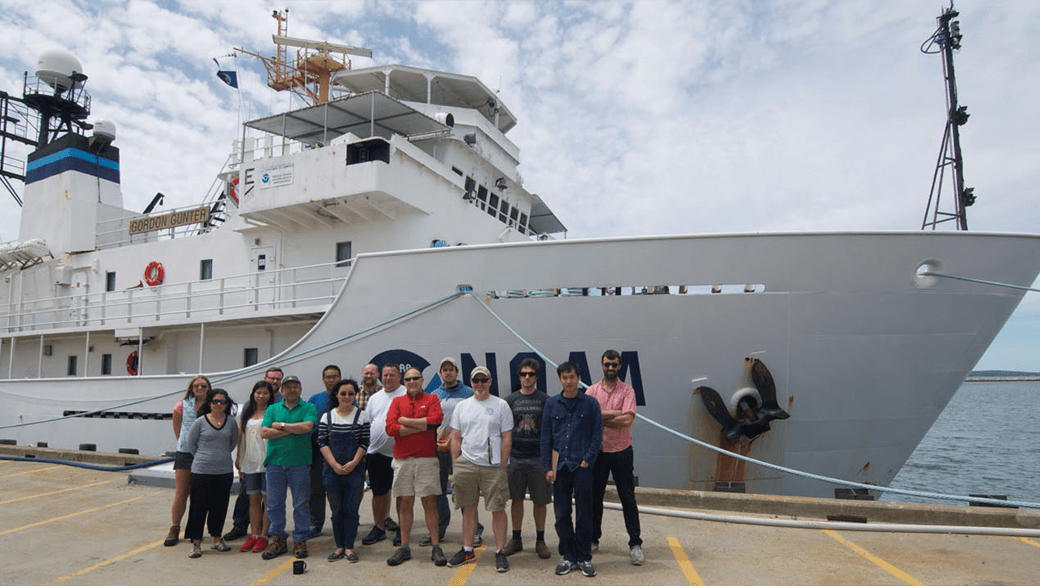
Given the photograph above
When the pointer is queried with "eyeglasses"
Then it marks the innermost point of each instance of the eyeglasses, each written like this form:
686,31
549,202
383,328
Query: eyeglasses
409,379
525,374
611,364
481,380
218,402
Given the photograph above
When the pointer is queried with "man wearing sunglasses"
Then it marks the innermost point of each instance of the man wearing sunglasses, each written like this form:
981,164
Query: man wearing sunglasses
481,438
412,421
618,404
525,463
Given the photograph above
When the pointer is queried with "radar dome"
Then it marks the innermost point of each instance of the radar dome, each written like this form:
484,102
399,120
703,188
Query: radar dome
56,69
105,130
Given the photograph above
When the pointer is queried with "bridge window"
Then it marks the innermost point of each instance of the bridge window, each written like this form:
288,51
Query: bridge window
206,269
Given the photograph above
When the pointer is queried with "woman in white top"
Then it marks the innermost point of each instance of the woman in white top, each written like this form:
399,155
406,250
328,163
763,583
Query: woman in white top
252,450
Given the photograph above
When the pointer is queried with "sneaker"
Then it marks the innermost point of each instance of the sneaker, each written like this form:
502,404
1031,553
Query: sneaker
437,555
315,531
513,546
427,541
221,546
461,557
595,546
174,536
234,534
196,551
587,569
542,549
478,538
390,525
299,549
403,554
248,545
275,547
260,545
565,566
375,535
501,563
637,556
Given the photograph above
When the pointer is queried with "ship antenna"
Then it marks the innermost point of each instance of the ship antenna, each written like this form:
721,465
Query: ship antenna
309,73
945,40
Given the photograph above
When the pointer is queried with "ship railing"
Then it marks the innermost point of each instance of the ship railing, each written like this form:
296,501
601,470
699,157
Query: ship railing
301,289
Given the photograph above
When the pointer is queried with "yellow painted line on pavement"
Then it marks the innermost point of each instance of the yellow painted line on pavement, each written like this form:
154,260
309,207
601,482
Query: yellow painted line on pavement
462,574
684,562
282,567
877,561
31,471
70,515
118,558
1029,541
53,492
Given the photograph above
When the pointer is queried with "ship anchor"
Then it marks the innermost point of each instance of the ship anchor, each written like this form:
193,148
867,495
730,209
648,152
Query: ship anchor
752,406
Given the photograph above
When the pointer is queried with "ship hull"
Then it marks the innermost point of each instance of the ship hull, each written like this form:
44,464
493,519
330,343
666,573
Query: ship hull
865,351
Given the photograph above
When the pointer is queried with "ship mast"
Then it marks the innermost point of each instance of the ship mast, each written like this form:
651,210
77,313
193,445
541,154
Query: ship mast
309,73
945,40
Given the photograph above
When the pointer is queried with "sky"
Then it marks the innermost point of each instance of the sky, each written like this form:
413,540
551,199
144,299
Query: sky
645,117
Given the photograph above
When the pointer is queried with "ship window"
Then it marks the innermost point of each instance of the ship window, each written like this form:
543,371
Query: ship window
343,254
206,269
482,194
252,356
373,149
492,205
512,216
523,223
110,281
503,211
72,365
106,364
457,171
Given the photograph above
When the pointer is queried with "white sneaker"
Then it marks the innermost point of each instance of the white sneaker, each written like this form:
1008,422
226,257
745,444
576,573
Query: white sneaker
637,556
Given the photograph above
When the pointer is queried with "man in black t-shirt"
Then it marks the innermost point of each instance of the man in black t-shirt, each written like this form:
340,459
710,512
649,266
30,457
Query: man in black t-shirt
525,465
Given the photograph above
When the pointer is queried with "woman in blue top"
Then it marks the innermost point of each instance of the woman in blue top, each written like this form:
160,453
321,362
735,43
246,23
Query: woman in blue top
184,414
343,439
211,439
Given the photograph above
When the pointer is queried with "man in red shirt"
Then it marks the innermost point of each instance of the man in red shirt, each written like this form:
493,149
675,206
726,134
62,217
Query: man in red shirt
412,421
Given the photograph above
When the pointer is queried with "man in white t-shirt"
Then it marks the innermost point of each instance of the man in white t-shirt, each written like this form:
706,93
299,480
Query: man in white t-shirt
482,437
381,452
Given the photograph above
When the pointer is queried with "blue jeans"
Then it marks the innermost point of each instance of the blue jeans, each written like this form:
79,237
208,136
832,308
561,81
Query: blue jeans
298,480
345,493
576,540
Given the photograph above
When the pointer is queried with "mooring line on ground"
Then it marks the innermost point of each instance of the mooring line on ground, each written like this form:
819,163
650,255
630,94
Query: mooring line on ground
30,471
36,496
102,564
692,577
70,515
876,560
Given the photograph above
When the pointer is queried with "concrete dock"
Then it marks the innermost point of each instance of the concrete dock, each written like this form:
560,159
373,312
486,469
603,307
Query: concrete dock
60,524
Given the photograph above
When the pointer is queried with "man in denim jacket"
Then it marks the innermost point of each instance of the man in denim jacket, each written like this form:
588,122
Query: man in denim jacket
572,432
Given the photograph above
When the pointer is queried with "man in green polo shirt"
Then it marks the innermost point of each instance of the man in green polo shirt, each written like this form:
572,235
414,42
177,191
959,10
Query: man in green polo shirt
287,428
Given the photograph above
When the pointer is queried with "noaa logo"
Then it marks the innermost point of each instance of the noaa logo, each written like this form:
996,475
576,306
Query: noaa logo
266,178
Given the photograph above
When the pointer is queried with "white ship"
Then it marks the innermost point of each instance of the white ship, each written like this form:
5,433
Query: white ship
387,222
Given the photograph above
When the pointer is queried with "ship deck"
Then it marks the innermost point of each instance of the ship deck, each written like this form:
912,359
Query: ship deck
60,524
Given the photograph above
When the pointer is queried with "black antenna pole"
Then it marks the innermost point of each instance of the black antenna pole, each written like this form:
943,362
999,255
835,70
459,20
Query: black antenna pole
946,39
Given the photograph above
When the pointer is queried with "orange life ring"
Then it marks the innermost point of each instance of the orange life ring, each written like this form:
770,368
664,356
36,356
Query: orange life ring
232,191
131,363
153,273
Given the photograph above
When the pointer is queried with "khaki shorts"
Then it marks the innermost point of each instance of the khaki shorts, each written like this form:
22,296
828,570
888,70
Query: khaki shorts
417,477
470,481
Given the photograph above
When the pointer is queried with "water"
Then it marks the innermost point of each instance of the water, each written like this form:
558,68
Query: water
986,441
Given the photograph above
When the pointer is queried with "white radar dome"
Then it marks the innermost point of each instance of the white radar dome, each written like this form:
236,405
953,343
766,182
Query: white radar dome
56,68
105,130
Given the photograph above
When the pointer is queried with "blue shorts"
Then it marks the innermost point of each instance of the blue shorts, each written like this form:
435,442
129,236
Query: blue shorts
256,483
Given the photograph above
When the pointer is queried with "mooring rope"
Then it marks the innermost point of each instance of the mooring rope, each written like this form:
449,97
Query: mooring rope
974,280
810,475
261,367
89,466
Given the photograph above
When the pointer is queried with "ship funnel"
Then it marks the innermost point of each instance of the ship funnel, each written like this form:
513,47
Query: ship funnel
60,70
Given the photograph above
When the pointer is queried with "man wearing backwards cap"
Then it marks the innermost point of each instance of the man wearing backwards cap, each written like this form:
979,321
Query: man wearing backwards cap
481,438
287,428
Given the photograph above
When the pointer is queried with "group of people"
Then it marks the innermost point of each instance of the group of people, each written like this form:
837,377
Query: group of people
408,443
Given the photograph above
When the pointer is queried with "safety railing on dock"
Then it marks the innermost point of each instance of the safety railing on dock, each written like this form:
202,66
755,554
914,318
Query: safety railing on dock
310,288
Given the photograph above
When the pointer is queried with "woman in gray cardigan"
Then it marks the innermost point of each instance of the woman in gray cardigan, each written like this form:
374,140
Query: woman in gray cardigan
211,440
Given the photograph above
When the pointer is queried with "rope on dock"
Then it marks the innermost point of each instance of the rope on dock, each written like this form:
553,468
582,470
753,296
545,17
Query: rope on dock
974,280
809,475
89,466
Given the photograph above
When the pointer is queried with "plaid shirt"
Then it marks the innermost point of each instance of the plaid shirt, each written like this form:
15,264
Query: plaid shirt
362,397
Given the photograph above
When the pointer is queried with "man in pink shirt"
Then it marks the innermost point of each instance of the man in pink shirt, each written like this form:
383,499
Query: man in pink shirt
618,403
